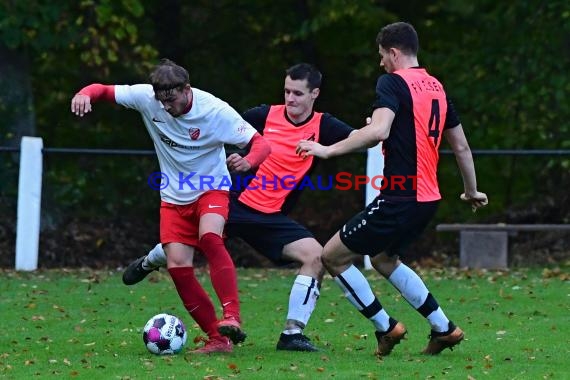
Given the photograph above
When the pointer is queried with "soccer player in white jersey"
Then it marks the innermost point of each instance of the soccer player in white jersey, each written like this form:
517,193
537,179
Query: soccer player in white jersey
189,128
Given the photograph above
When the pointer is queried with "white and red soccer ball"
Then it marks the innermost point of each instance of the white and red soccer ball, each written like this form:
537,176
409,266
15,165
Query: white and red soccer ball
164,334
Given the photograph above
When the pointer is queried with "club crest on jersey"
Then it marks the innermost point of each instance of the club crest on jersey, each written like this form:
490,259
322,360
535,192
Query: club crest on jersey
194,133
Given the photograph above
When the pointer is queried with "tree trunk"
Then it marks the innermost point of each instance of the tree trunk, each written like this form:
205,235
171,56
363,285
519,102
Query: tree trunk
17,117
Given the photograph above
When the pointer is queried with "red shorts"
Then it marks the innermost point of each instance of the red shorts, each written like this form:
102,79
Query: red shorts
180,223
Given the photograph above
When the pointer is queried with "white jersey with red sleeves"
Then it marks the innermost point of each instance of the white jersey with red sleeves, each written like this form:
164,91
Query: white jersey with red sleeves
190,147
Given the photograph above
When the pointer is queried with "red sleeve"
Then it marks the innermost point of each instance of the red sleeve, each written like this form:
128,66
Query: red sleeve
258,151
98,92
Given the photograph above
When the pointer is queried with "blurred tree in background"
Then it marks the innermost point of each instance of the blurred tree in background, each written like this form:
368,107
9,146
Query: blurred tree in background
503,63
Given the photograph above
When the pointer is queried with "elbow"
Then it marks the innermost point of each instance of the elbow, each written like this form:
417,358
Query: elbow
266,149
374,140
380,135
373,143
383,135
462,149
259,151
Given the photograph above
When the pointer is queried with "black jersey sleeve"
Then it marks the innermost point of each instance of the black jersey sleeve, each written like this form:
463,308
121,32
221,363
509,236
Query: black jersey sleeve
333,130
257,117
387,88
451,118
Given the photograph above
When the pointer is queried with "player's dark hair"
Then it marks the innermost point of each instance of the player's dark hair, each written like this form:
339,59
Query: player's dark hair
306,71
399,35
167,76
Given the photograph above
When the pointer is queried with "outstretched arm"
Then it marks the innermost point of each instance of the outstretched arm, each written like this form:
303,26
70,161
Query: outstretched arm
377,130
81,102
456,138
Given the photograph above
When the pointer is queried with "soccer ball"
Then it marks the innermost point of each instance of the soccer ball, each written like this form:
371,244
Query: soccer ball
164,334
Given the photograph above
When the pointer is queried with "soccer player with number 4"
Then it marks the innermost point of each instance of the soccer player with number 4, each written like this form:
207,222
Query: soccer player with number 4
411,113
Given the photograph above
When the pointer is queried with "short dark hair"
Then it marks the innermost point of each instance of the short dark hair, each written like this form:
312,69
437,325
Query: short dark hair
167,76
399,35
306,71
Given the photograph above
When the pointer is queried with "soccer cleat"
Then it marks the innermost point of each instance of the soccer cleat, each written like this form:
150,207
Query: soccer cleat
215,345
135,272
440,341
295,342
387,340
231,328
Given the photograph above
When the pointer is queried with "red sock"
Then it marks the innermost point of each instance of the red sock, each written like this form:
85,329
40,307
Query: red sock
222,273
195,299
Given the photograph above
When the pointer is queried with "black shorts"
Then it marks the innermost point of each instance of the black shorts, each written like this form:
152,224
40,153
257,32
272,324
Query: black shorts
387,225
266,233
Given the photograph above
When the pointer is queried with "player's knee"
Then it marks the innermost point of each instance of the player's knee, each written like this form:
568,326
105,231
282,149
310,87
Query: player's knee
336,262
329,261
179,255
385,264
174,262
317,264
311,259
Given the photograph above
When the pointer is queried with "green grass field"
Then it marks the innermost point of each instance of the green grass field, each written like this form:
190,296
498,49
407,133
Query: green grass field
85,324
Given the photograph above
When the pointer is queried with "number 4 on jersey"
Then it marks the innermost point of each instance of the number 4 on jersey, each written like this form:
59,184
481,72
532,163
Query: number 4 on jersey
433,126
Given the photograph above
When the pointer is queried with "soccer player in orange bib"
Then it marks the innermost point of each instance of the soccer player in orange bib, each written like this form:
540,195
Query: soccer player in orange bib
411,114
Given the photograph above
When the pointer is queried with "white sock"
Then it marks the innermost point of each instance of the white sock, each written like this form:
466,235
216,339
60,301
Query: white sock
155,258
410,285
414,290
302,300
358,292
292,331
438,321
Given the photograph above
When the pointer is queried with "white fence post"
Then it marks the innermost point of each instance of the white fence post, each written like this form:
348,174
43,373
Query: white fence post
374,167
29,203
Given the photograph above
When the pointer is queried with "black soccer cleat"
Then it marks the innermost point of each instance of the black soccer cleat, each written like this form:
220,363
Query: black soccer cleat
231,328
135,272
295,342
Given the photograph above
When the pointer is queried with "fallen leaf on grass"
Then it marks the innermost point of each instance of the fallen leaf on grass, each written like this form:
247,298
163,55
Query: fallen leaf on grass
58,308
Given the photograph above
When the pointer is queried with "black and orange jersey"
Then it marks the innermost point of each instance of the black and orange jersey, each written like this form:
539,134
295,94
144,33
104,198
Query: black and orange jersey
272,186
422,111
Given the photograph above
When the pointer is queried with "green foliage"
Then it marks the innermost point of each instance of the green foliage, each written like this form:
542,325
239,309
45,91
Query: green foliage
505,72
97,29
509,90
503,63
86,324
69,44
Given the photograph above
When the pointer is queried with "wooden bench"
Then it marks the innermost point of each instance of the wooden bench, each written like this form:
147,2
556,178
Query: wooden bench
487,245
